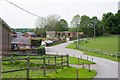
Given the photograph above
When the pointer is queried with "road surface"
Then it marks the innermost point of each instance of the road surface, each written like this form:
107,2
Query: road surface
105,68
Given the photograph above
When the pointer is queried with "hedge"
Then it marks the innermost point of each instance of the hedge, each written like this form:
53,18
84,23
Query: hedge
41,50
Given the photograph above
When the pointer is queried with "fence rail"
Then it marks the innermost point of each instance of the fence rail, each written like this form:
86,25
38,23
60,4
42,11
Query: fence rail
43,59
109,53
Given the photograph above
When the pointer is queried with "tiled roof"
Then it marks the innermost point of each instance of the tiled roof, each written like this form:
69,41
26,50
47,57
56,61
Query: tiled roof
21,40
19,33
31,33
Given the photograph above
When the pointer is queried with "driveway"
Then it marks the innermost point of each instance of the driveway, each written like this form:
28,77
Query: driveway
105,68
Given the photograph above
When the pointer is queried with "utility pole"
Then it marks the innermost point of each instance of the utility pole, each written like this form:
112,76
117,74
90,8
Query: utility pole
77,41
77,36
94,33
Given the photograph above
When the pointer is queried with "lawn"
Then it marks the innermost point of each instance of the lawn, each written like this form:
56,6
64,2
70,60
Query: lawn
103,43
75,61
70,72
35,65
108,44
67,72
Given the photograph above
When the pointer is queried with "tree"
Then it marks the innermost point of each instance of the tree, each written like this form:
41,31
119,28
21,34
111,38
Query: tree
75,21
94,23
108,22
44,24
85,25
51,22
61,25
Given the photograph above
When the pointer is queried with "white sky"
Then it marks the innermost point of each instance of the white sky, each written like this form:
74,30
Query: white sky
16,18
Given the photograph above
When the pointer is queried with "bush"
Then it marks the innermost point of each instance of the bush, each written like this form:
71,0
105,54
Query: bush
36,42
41,50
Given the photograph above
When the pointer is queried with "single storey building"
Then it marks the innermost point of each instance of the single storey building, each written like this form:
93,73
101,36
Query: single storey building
67,34
5,37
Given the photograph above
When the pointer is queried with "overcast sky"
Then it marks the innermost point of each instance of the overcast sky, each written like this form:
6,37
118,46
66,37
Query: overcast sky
16,18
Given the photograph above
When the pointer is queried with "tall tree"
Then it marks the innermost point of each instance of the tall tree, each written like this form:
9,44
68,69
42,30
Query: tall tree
85,25
75,21
51,22
94,24
108,21
44,24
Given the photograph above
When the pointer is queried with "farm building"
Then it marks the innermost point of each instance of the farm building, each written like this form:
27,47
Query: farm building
53,34
5,37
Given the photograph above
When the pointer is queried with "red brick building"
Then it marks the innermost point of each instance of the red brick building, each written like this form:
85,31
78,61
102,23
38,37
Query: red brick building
30,35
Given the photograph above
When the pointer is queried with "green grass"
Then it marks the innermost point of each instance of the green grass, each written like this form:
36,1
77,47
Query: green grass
109,44
75,61
67,72
34,63
113,58
72,60
70,72
102,43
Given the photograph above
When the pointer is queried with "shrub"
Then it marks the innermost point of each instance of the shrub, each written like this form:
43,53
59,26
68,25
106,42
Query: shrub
41,50
36,42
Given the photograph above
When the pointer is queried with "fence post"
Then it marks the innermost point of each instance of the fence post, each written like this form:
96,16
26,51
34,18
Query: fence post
44,67
62,61
55,64
83,65
116,56
67,59
78,60
48,59
89,67
0,67
81,56
77,74
87,58
57,53
108,56
28,67
92,59
11,59
74,55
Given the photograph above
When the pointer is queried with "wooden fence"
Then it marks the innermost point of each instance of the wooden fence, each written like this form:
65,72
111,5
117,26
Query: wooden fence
44,59
108,53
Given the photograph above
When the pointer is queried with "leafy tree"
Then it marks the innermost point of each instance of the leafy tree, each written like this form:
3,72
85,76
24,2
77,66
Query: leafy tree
75,21
107,22
85,25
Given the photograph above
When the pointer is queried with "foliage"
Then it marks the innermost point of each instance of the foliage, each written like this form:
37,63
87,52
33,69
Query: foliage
41,50
23,30
75,21
111,23
50,23
61,25
85,26
36,42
